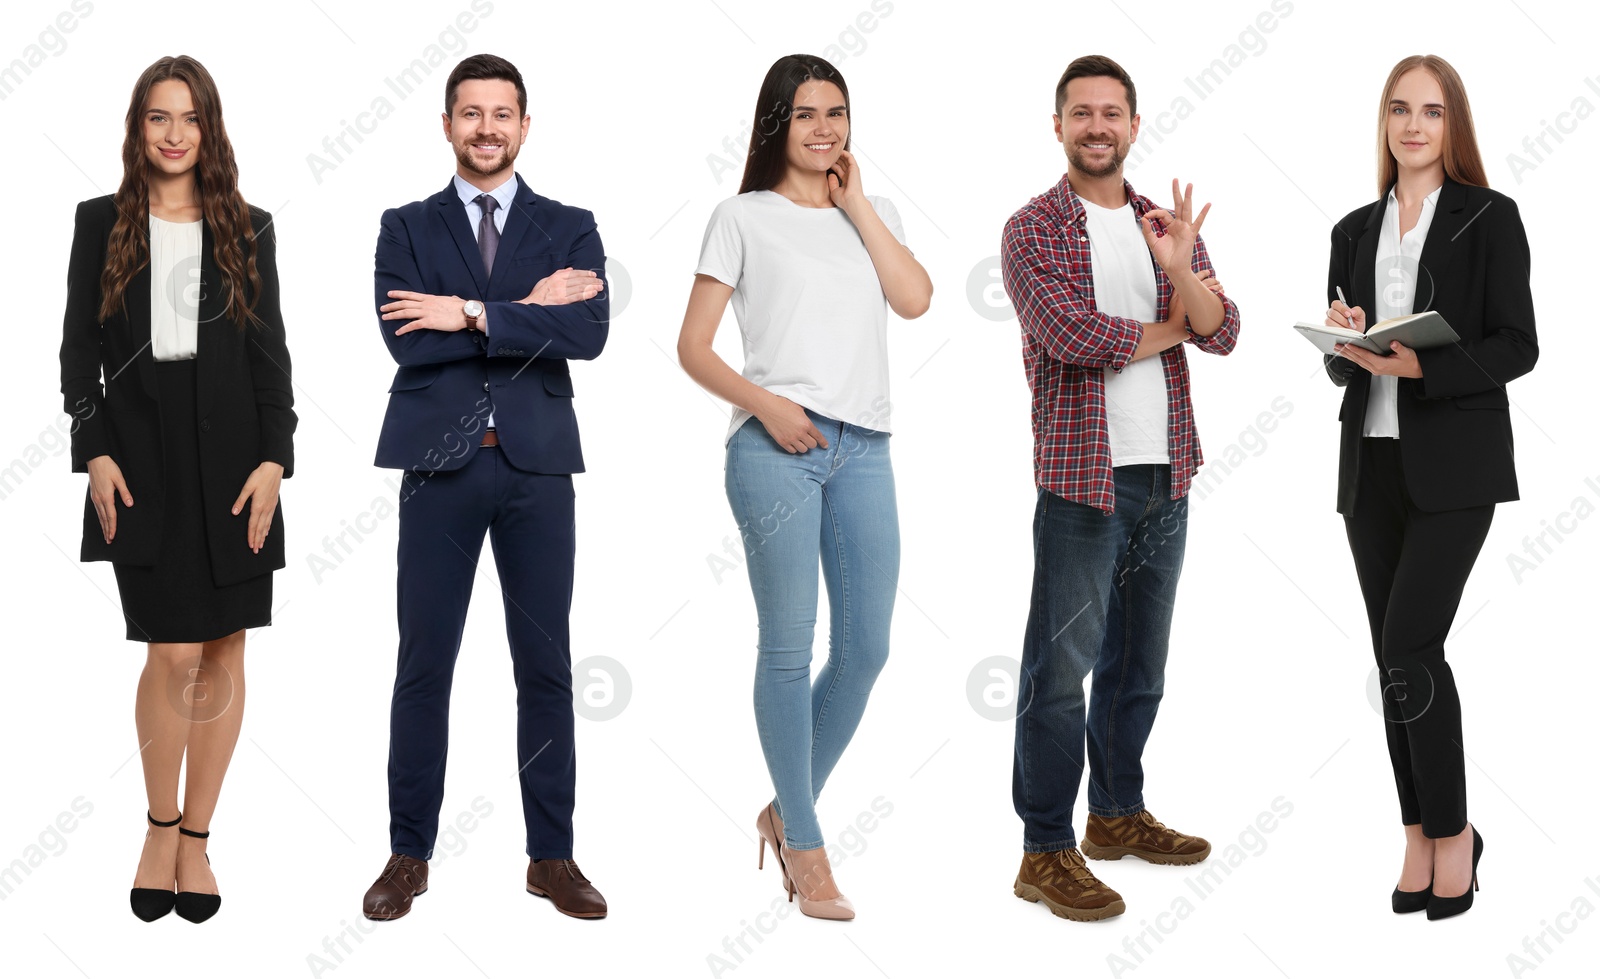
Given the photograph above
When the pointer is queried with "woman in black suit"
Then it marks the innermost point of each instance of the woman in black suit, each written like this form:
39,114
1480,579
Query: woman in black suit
1425,450
172,298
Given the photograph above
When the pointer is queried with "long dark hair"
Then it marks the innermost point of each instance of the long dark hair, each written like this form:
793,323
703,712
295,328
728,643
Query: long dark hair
767,162
1462,161
216,183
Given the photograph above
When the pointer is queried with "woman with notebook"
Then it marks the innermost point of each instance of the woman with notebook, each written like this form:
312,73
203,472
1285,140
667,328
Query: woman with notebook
1425,450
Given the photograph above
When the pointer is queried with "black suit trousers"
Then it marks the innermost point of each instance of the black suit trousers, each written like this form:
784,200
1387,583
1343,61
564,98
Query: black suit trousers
1413,565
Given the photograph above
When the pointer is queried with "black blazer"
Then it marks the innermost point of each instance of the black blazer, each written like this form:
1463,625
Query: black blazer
243,398
1455,420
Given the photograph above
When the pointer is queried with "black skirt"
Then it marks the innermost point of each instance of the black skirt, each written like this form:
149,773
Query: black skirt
177,600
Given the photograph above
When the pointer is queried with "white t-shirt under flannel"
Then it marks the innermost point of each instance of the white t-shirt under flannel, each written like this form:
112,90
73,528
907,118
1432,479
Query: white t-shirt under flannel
1125,285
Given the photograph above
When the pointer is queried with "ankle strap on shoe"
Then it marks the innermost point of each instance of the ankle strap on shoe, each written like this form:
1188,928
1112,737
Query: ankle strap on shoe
156,822
186,831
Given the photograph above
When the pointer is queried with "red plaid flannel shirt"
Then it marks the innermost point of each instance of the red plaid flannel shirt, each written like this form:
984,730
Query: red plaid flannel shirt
1066,342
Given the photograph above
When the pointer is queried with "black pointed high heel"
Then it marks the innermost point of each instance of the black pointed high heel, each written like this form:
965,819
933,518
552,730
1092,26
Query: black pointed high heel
1445,907
150,903
1407,902
192,905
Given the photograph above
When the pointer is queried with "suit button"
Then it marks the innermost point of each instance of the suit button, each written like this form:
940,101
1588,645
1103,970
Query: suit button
486,385
205,424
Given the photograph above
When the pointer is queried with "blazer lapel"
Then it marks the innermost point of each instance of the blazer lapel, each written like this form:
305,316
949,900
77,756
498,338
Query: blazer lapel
210,317
1450,218
136,300
518,221
454,215
1361,289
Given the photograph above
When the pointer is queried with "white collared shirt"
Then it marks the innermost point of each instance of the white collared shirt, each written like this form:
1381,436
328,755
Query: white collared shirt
1394,285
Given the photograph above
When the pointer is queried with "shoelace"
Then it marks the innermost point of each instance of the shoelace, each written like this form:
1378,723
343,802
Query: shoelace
1065,867
1158,827
392,868
573,871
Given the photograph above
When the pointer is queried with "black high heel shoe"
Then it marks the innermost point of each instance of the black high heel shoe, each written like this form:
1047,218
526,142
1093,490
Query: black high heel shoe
1445,907
192,905
150,903
1407,902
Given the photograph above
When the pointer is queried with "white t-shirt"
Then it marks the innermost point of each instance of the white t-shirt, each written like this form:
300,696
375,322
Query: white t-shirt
1125,285
810,308
174,288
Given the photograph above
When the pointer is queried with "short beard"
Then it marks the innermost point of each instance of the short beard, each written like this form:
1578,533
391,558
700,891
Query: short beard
1113,164
466,158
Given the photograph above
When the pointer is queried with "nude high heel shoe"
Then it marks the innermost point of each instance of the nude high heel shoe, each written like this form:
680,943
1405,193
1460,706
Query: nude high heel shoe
770,828
806,870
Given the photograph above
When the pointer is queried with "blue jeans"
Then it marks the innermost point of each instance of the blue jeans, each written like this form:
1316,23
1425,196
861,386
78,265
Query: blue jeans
837,503
1103,588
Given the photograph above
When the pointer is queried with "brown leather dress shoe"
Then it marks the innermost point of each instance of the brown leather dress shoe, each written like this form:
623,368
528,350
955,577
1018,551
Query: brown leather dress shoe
403,878
1062,882
564,884
1141,835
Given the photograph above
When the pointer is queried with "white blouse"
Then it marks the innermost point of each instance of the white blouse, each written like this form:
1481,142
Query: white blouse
1394,275
175,288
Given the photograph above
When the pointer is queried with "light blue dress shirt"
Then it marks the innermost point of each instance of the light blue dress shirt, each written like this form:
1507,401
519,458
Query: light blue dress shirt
503,196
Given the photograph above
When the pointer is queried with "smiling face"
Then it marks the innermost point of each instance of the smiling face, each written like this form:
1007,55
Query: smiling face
818,127
486,127
171,128
1094,125
1416,122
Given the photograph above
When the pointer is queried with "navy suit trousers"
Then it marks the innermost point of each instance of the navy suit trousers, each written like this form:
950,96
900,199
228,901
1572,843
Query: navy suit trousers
529,520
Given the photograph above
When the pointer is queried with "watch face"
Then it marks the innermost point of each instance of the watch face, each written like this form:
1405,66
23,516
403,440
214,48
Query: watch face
473,308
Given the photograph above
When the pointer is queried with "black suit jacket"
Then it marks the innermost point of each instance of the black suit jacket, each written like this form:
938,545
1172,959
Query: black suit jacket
243,397
1455,420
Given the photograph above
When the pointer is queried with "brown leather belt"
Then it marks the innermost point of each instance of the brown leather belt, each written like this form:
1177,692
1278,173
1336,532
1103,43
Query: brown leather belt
490,438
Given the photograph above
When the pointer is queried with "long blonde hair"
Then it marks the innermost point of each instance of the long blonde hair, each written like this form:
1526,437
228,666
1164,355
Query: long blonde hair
1462,161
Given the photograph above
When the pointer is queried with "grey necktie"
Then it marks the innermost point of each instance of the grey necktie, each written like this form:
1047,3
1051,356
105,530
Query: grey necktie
488,234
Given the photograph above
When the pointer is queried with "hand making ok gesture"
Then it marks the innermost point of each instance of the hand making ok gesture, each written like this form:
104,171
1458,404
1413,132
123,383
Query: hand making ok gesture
1170,235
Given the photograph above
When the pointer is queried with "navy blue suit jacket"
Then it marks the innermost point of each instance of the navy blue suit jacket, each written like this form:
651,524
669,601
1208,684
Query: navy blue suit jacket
449,382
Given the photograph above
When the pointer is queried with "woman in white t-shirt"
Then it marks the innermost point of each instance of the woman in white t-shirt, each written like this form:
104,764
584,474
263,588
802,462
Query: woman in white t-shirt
809,262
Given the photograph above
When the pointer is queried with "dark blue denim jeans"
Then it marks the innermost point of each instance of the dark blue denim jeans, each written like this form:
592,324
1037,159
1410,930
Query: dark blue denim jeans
1103,589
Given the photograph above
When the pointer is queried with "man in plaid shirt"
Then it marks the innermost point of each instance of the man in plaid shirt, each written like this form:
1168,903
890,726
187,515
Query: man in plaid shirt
1108,288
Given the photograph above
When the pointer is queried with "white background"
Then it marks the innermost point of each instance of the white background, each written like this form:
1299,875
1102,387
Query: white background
1266,689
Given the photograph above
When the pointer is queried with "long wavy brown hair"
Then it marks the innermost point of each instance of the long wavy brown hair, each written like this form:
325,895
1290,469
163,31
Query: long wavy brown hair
1462,161
216,183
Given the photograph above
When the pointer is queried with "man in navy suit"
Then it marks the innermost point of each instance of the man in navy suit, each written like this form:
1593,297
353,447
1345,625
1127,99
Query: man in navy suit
484,292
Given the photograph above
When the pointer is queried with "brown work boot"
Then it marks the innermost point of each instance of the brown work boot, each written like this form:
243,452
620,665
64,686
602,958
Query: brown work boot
564,884
390,895
1060,879
1141,835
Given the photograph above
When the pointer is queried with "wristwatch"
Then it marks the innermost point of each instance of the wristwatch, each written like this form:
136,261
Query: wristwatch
472,309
